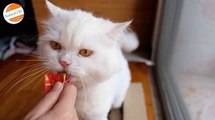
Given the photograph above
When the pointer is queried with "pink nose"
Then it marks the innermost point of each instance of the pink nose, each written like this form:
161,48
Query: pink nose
65,63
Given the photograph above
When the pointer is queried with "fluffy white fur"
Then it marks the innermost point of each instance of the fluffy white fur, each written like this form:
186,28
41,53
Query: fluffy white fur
103,78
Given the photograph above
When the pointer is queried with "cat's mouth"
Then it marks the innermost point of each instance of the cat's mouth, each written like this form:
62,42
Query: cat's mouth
68,76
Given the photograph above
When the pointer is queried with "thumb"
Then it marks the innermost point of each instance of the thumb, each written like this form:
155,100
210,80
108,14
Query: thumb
67,98
46,103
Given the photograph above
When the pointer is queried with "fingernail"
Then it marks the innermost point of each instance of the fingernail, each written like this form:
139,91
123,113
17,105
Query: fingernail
57,86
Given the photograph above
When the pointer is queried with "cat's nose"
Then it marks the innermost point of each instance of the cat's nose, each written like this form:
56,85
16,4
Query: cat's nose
65,63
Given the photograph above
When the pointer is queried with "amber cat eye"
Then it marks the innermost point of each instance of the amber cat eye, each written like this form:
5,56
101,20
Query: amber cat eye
85,52
55,45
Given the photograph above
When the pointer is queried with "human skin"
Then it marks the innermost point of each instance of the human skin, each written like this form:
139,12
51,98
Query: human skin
58,104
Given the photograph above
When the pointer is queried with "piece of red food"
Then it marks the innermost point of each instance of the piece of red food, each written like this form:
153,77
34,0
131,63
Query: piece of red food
51,79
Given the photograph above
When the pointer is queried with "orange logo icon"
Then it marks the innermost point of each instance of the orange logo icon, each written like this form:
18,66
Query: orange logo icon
13,13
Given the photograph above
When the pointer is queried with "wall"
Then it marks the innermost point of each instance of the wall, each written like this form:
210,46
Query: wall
141,11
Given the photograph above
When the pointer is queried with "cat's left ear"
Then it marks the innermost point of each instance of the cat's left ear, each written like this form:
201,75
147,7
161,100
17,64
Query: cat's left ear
54,10
118,29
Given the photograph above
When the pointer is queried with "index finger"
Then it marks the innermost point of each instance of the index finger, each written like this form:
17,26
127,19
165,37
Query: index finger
46,103
67,98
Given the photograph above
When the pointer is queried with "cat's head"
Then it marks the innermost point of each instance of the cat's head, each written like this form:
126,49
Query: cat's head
84,46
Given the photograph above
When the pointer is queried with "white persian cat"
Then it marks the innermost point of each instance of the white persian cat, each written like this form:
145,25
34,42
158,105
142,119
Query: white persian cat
89,49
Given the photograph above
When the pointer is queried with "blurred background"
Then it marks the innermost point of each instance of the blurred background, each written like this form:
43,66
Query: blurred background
17,38
178,36
186,60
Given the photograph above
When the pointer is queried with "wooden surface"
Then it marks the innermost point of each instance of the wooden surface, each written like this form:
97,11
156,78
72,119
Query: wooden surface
15,104
142,12
140,73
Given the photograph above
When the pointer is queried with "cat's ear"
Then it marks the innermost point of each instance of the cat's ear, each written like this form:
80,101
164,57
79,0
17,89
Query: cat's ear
121,27
54,10
118,29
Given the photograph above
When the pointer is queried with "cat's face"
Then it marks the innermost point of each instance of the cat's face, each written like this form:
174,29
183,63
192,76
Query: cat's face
80,44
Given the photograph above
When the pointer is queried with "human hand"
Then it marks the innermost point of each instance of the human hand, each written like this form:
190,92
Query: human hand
58,104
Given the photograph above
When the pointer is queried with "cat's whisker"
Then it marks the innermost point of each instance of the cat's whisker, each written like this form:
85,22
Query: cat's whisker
7,79
38,59
88,79
41,58
23,69
30,60
36,56
76,69
91,78
36,36
35,70
26,73
84,88
35,19
41,79
30,70
21,80
32,55
27,84
40,73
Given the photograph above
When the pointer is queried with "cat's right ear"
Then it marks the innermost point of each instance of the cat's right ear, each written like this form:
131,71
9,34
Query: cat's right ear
54,10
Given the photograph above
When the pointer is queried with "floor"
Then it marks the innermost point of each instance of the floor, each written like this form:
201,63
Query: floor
16,102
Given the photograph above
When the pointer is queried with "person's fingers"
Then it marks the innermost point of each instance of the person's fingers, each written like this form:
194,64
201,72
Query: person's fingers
60,115
46,103
75,116
67,98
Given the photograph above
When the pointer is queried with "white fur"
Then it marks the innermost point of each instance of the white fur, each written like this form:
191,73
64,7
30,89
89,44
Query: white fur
129,42
103,78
